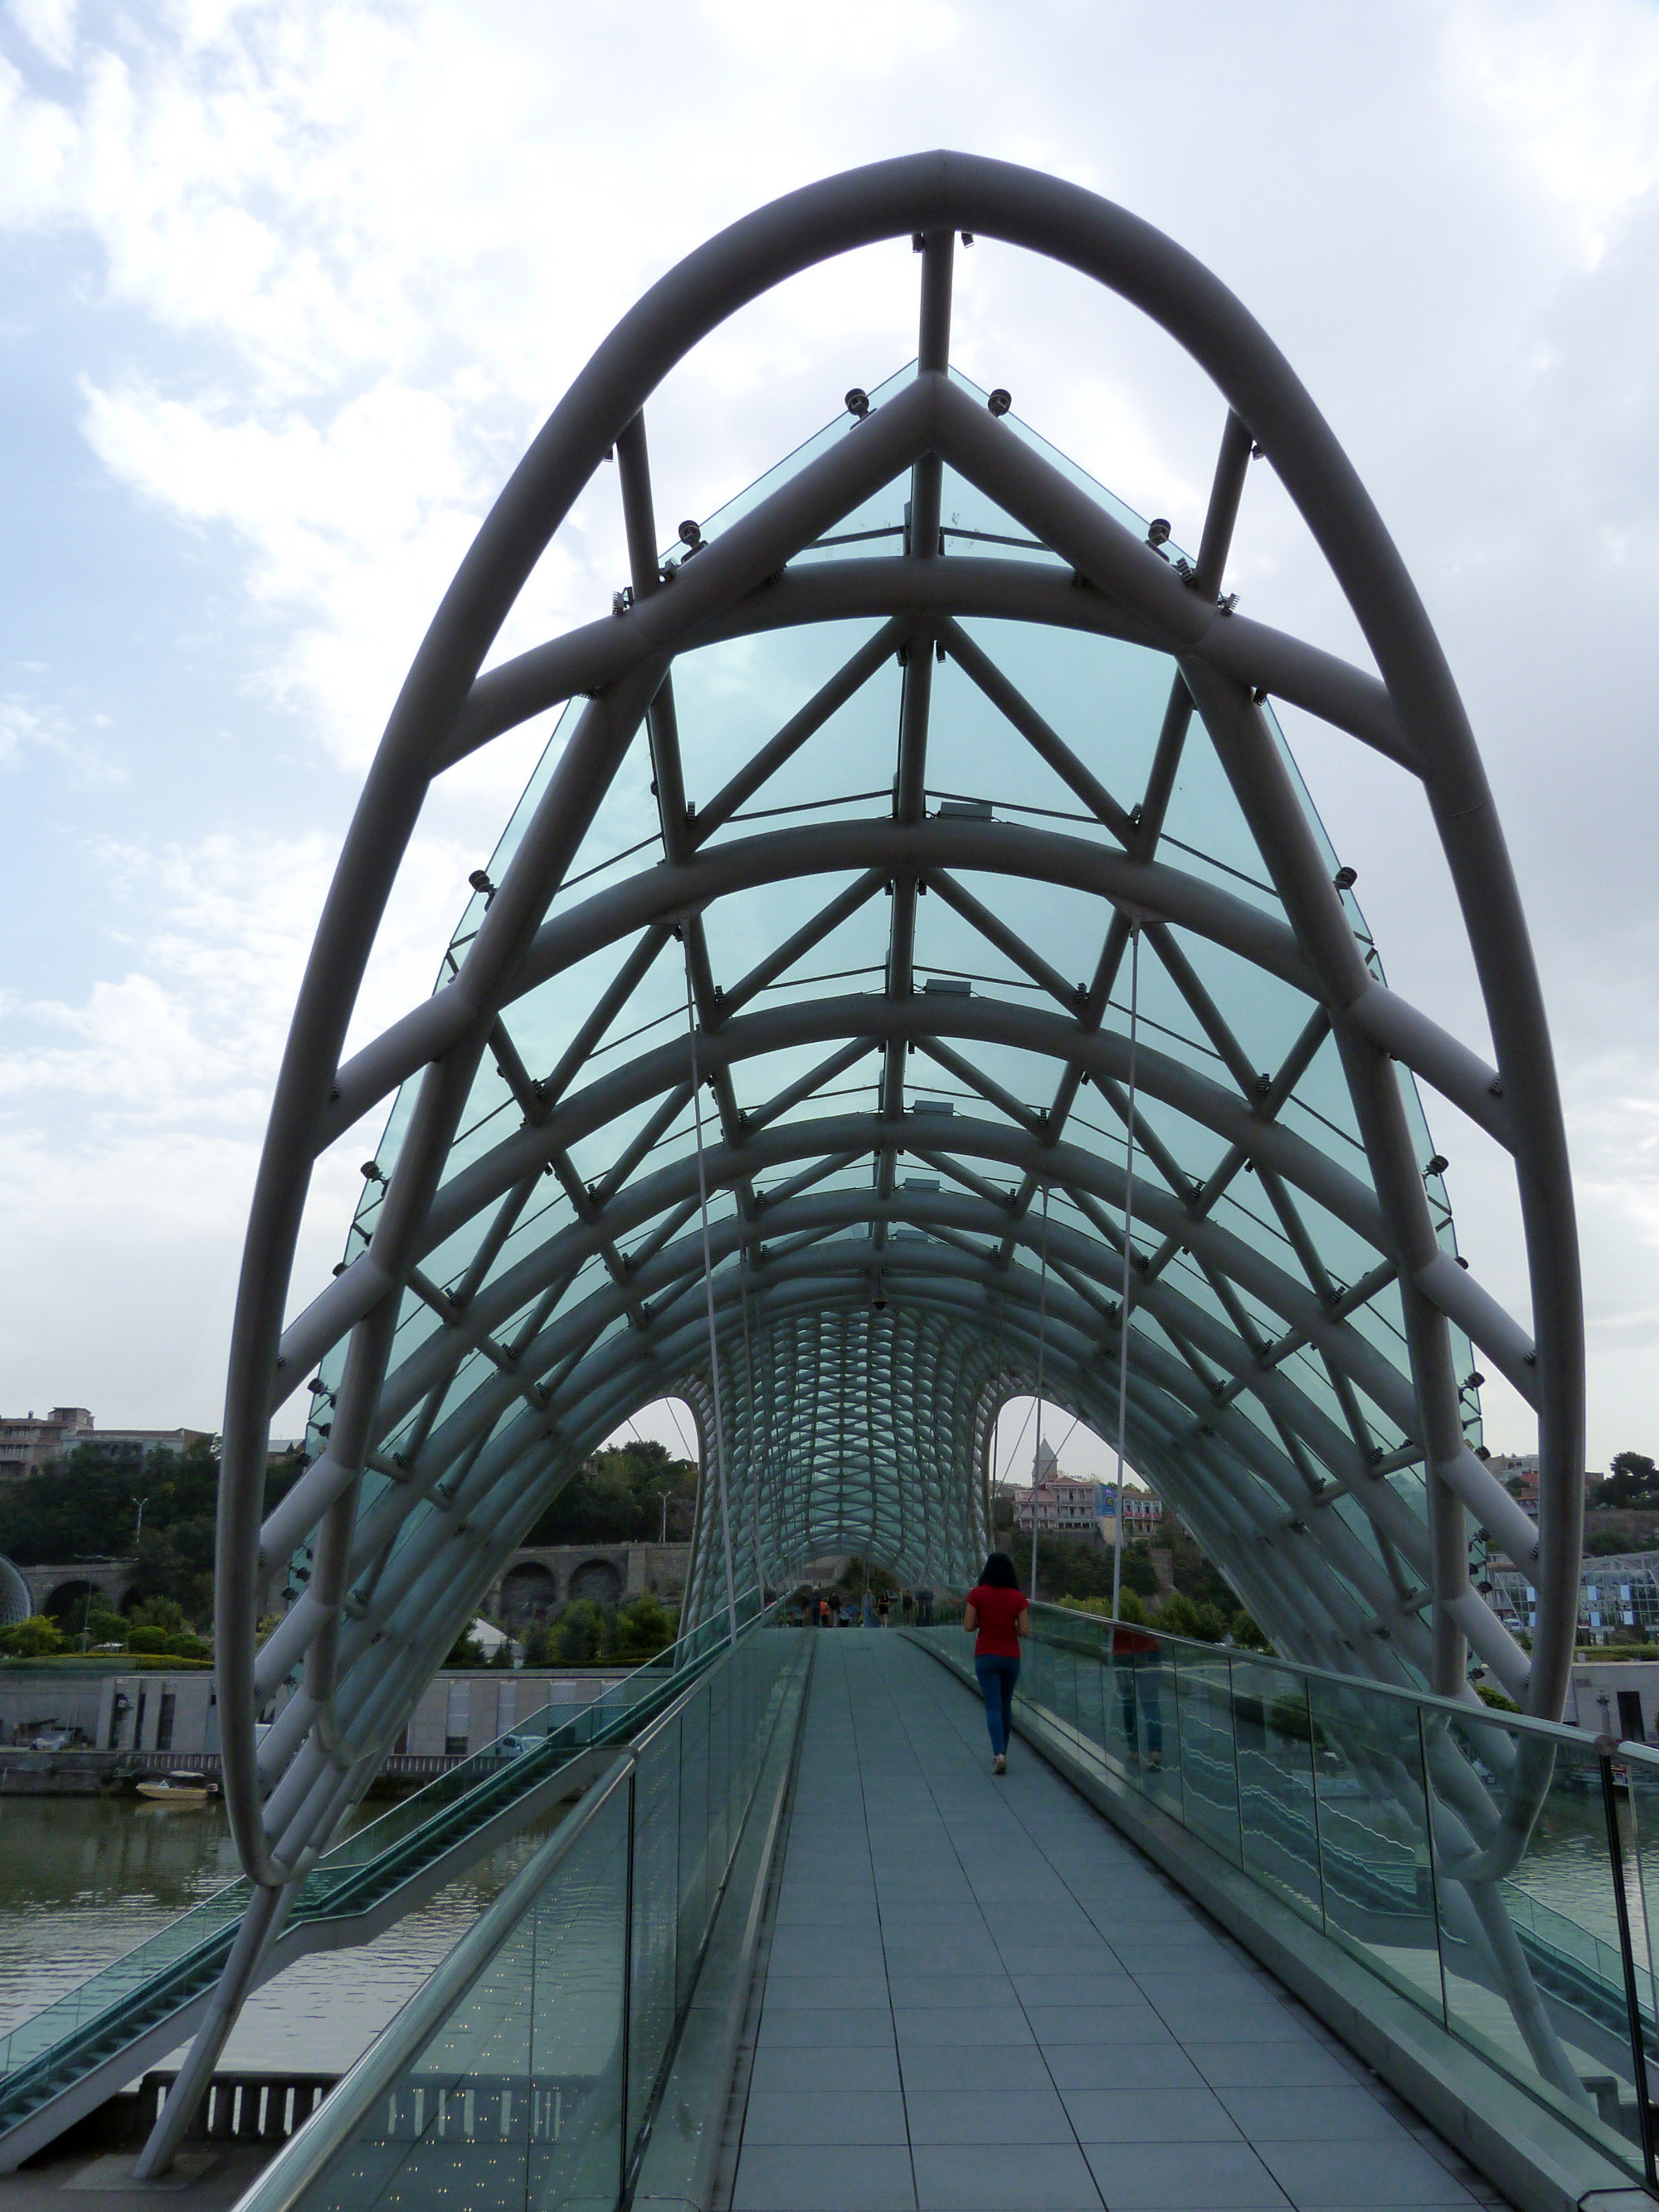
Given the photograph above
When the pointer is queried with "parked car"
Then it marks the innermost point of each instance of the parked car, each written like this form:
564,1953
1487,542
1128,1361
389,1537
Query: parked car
53,1739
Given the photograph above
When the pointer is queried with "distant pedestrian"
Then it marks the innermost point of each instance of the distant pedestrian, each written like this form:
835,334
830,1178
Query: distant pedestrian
924,1608
996,1617
881,1610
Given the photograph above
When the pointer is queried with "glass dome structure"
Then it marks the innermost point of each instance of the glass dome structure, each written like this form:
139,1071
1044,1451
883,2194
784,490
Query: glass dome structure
915,973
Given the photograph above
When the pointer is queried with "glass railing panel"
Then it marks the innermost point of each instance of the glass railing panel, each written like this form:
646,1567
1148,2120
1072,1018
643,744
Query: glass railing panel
1209,1753
655,1996
715,1803
1090,1685
1524,1889
1062,1672
692,1855
1641,1813
579,2053
516,2100
1120,1719
1156,1750
1277,1824
1041,1659
1374,1837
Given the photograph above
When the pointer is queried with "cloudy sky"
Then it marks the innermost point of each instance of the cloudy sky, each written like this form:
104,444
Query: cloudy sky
287,287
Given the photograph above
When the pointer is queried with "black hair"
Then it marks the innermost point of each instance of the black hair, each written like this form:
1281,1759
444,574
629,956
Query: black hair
999,1572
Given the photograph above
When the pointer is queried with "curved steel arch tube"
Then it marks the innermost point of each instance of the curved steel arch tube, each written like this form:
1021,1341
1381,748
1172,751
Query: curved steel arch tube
1300,1324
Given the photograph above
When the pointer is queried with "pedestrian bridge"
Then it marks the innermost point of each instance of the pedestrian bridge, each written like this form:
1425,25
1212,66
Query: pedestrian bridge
916,976
1216,1940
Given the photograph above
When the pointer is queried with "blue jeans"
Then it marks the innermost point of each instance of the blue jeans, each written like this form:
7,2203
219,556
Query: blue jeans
997,1677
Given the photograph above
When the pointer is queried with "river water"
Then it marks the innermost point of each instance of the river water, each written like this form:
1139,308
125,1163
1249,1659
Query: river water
83,1880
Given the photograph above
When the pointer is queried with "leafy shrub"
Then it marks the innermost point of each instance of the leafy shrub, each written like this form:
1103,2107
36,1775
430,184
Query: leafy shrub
150,1639
104,1627
1131,1613
1192,1617
184,1645
163,1613
579,1639
33,1638
641,1629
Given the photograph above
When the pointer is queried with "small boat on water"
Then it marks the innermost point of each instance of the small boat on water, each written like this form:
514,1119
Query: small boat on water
184,1786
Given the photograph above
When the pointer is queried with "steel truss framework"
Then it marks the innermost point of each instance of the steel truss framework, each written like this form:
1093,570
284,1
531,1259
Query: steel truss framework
923,607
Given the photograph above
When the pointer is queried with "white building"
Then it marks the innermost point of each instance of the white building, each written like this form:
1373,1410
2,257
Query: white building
30,1442
1063,1506
1142,1514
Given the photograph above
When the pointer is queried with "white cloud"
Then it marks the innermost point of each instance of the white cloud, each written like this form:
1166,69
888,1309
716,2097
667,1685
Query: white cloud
49,27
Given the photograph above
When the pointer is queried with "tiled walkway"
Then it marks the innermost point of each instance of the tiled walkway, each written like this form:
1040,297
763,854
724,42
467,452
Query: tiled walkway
979,1998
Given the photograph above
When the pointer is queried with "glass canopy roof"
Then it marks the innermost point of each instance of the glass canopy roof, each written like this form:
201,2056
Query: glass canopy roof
897,907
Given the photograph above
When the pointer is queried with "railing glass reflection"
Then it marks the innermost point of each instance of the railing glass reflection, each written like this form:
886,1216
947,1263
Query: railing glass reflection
525,2073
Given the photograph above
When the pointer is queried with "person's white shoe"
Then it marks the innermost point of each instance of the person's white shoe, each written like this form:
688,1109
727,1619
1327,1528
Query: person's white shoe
999,1765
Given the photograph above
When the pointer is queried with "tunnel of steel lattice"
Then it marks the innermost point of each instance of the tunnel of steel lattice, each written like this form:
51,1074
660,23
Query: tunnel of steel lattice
870,805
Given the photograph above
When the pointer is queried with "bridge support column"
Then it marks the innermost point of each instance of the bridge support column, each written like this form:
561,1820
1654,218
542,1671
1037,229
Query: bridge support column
261,1925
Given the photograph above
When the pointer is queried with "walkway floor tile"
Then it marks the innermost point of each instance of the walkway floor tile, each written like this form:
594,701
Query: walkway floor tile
1182,2177
969,2116
975,2178
820,2066
979,1998
826,2116
1357,2173
867,2177
1147,2115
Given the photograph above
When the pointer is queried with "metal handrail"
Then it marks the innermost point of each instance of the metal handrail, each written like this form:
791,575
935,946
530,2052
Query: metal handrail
1453,1707
330,2128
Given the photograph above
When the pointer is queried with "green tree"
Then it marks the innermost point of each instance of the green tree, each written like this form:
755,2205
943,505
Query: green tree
1131,1613
163,1613
1245,1633
86,1507
618,1498
37,1637
1139,1574
1070,1566
1633,1483
641,1629
579,1639
1180,1615
466,1651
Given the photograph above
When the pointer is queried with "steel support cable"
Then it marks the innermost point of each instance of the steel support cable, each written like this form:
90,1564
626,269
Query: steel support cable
752,1456
708,1292
1128,1270
1043,1345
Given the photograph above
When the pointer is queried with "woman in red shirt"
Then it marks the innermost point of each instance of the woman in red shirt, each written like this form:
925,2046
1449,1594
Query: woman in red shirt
996,1616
